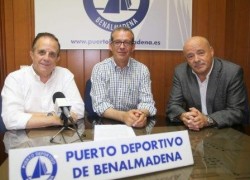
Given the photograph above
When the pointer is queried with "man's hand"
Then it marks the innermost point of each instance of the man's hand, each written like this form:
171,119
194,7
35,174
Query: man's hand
135,118
142,121
194,119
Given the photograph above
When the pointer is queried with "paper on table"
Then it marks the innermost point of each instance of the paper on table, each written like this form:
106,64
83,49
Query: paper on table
103,132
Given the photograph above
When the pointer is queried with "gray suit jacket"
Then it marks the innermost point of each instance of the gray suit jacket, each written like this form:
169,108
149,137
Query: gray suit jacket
226,93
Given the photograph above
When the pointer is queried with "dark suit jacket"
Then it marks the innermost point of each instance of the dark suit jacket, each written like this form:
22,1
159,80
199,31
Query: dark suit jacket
226,93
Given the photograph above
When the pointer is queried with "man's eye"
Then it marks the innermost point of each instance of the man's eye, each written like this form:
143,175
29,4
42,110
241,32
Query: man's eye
52,55
190,56
201,53
41,53
118,43
127,43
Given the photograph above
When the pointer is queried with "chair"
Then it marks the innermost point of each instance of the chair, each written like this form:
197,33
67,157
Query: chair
88,101
2,126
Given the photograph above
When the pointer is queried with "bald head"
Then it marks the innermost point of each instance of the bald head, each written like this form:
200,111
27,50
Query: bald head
196,40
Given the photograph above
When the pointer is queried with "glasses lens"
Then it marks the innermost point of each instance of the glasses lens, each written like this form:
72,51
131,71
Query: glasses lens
125,43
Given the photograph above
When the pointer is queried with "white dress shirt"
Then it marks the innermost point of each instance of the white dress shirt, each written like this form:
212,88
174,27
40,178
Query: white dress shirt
203,90
23,93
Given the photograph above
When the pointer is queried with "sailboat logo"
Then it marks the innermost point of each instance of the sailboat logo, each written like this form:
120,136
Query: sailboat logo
40,169
109,14
114,6
39,165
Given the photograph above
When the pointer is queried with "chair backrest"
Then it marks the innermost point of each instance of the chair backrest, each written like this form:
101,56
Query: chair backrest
2,126
88,101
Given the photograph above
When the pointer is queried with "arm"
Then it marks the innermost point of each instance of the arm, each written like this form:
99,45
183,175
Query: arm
99,90
146,102
73,95
176,100
13,112
229,109
38,120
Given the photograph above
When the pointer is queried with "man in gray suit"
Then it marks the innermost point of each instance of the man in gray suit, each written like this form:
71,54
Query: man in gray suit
207,91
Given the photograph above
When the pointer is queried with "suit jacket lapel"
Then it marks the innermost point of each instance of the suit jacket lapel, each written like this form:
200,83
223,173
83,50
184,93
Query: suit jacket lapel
213,84
194,89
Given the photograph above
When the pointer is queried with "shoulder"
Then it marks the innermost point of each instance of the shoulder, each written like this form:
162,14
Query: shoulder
228,63
20,74
105,62
136,64
226,66
62,70
62,74
182,68
103,65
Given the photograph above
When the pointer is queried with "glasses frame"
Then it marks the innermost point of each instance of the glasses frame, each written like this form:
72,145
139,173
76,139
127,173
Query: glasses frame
118,43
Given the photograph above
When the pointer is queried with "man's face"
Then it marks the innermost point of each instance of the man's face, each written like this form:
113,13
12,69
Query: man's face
122,46
45,56
199,55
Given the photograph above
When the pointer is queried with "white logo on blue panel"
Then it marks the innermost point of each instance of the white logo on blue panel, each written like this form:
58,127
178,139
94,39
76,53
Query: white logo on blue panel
109,14
39,165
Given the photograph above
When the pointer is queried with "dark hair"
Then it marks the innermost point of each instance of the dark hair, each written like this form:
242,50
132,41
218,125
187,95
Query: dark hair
45,34
122,28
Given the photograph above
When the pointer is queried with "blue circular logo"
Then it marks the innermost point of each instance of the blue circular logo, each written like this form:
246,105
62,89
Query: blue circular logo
110,14
39,165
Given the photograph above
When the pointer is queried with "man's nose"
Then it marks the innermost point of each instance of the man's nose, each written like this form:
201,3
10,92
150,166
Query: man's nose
196,57
122,45
46,56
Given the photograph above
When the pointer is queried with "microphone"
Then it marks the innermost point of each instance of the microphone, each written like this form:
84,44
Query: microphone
61,104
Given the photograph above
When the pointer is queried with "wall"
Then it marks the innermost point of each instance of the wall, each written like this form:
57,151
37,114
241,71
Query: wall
226,24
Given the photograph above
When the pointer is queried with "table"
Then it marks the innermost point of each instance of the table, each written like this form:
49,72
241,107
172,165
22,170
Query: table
217,153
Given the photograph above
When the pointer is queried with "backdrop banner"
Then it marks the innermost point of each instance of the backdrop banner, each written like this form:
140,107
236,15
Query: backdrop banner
86,24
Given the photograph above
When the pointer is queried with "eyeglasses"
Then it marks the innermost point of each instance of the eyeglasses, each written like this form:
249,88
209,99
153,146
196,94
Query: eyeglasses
125,43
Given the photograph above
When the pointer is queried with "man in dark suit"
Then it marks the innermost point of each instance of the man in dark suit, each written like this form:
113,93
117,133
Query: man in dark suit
207,91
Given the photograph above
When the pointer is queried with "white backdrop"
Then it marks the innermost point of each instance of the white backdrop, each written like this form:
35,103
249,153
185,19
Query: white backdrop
86,24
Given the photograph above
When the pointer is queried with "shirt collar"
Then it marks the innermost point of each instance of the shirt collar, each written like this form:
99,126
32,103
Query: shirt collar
117,67
37,77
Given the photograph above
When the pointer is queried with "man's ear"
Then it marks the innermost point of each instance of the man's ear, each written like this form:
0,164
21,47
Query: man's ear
31,55
133,48
58,58
212,50
110,47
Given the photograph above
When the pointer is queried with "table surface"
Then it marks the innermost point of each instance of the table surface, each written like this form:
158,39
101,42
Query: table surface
218,153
